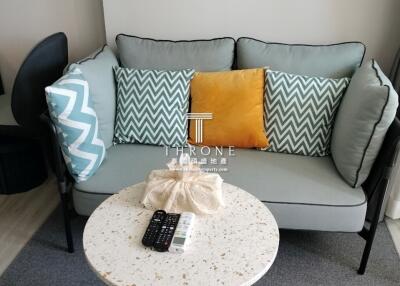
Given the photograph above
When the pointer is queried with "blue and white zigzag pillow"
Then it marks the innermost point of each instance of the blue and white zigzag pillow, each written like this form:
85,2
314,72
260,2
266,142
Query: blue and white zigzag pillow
71,110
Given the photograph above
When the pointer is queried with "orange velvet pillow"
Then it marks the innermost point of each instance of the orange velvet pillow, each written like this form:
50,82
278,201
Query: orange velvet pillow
235,100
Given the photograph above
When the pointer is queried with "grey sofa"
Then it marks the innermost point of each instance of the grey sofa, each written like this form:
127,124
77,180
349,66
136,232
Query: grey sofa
307,193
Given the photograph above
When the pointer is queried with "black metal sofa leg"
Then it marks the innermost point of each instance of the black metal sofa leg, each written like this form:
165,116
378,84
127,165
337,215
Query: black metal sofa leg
65,208
369,234
369,237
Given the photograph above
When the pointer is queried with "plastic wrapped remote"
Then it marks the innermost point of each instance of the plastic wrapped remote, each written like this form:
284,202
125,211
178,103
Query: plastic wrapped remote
182,232
166,233
153,228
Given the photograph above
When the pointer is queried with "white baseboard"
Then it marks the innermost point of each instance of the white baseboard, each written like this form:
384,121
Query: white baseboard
394,229
393,209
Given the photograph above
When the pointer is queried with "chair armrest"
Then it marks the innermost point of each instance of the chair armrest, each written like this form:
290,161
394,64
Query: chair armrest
379,176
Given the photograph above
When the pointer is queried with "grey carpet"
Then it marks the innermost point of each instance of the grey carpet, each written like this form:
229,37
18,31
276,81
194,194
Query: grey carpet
304,258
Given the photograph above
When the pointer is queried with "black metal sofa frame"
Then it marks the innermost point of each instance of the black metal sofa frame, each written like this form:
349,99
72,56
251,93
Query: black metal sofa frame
375,186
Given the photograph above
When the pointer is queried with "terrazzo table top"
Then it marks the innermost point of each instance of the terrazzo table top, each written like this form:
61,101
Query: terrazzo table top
237,246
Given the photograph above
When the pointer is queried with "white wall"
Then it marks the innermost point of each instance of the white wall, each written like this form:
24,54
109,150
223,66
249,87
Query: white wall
23,23
374,22
393,206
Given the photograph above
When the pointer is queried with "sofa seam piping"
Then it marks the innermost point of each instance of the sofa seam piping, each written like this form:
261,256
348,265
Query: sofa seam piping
85,59
288,203
312,204
310,45
93,57
305,45
185,41
174,41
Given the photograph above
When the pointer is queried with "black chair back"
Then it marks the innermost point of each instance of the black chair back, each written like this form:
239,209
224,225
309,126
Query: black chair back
395,72
43,66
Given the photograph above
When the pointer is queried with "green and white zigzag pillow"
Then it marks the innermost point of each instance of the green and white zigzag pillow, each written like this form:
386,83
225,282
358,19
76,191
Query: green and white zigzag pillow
299,112
152,106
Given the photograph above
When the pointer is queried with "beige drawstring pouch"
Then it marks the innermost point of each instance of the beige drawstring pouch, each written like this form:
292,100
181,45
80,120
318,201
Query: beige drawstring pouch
183,187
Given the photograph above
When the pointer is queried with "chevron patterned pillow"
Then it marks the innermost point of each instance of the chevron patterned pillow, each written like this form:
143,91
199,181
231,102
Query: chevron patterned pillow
152,106
299,112
71,110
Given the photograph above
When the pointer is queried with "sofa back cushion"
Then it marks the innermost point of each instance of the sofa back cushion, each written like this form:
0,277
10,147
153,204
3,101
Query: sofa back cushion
98,71
330,61
365,114
201,55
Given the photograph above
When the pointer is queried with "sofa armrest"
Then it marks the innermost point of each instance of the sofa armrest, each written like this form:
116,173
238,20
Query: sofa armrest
382,168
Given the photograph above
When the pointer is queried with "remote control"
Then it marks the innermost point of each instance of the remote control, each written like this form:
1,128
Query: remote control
182,232
153,228
166,232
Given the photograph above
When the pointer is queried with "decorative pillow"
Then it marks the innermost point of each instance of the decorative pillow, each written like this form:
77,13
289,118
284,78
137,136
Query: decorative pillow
235,101
329,61
71,110
152,106
299,112
201,55
365,114
98,71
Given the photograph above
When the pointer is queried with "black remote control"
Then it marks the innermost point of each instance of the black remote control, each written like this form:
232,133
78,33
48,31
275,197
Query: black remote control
153,228
166,233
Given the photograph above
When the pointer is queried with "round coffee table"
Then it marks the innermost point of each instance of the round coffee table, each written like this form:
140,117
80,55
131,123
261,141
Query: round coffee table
237,246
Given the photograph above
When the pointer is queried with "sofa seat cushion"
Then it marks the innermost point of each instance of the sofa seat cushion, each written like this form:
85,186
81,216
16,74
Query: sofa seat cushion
302,192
